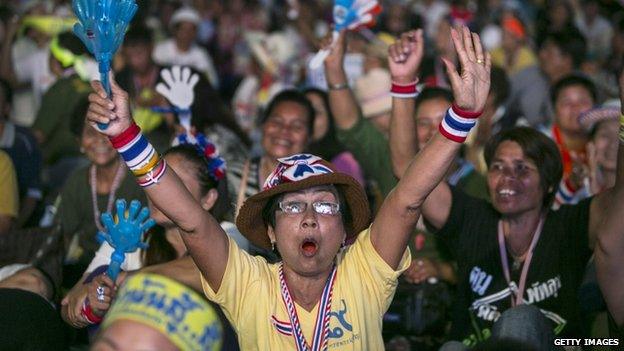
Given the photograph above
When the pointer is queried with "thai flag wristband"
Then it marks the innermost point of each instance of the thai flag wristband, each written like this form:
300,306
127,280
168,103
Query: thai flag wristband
404,91
566,192
457,124
88,314
140,156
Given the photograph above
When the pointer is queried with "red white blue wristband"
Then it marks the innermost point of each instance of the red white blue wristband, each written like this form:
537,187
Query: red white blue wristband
404,91
457,123
137,152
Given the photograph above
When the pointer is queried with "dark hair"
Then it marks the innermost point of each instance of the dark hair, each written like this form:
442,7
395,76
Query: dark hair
208,109
191,154
268,212
7,91
537,147
569,43
71,42
159,250
139,35
291,95
499,85
78,117
570,80
433,93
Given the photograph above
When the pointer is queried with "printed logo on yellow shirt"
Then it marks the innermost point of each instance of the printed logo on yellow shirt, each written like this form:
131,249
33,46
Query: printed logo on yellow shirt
285,327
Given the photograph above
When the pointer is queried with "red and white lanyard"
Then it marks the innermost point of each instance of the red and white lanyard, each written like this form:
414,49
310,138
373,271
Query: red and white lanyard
321,329
527,261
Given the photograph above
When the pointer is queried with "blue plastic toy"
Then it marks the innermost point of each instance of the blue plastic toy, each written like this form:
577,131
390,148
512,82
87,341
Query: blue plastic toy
101,27
125,235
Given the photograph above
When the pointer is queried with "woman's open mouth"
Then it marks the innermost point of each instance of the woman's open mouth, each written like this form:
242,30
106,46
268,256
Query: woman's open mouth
309,247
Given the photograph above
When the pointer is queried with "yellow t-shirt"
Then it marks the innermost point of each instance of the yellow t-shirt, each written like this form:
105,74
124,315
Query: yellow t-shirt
9,198
250,297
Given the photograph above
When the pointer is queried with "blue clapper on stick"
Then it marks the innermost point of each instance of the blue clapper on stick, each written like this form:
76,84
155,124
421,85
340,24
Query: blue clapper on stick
101,26
125,235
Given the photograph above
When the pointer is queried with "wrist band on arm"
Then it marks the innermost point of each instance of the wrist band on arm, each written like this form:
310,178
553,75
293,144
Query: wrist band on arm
404,91
140,156
457,123
88,314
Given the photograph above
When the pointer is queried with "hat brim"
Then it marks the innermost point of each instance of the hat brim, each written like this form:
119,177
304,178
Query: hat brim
251,224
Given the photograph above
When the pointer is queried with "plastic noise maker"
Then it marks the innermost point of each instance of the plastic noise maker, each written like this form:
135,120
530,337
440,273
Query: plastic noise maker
101,26
348,14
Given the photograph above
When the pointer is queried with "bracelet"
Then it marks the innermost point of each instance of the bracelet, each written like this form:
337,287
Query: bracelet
137,152
88,314
338,86
404,91
457,124
154,175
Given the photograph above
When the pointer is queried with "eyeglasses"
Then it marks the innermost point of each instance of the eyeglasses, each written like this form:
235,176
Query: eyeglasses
320,207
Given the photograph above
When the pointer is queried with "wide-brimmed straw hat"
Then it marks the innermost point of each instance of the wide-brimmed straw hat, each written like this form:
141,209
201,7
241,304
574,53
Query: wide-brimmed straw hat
295,173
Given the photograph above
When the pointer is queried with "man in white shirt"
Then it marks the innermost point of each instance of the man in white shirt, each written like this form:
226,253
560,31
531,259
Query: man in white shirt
181,49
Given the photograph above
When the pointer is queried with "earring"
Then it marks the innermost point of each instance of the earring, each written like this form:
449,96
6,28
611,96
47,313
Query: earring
272,245
343,244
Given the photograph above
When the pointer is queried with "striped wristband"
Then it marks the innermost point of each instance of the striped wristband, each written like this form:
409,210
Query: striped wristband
457,124
140,156
565,192
404,91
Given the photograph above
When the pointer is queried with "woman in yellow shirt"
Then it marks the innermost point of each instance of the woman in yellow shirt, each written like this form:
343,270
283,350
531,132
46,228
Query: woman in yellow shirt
324,293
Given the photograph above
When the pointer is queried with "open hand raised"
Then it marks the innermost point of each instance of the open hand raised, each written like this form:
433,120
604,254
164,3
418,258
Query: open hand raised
472,85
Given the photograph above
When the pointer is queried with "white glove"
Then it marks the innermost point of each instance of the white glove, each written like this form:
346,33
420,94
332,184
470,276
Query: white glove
179,87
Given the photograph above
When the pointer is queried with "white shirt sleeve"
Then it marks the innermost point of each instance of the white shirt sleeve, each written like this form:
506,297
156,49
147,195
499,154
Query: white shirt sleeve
102,257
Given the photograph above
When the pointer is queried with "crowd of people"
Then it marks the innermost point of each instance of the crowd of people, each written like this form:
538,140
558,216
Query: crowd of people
449,179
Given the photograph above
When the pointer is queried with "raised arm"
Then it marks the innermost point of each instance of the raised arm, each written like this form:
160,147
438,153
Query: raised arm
403,129
400,211
606,224
342,102
205,240
403,140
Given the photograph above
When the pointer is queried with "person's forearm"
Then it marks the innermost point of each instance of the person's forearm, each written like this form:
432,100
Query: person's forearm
400,211
403,137
202,235
342,102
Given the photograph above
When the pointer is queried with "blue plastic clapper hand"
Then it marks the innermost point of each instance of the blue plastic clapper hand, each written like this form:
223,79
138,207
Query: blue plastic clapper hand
125,235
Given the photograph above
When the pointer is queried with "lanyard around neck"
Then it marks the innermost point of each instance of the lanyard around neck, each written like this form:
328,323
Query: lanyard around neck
321,329
527,261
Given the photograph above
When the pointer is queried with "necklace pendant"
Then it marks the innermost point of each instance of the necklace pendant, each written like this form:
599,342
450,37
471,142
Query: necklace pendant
516,264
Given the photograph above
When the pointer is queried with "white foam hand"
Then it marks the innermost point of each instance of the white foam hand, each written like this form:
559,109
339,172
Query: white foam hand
178,86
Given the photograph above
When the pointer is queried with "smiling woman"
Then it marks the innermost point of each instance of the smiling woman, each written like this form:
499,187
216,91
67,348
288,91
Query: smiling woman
287,125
